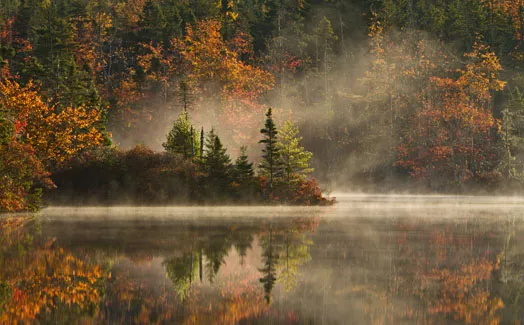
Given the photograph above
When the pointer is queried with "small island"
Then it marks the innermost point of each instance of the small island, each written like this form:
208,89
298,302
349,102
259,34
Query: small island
194,168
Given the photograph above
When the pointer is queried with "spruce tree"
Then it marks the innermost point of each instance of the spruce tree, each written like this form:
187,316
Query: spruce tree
185,95
54,66
217,163
181,139
270,259
293,157
243,168
270,166
243,175
153,23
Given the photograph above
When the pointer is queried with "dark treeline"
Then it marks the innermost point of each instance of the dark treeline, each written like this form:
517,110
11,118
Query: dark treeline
389,94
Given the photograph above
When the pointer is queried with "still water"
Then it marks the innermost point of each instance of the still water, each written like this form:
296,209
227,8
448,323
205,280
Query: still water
366,260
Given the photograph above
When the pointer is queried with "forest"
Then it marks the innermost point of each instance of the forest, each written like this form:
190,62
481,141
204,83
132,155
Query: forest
388,95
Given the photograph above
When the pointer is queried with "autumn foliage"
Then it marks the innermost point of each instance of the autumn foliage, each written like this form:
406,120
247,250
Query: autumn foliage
423,95
451,133
38,137
42,277
46,280
219,77
56,133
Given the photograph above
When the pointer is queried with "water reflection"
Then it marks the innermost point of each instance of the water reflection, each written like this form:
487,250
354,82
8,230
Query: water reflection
41,279
67,272
290,269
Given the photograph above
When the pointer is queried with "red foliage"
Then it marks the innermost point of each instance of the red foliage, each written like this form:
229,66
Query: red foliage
20,168
309,193
450,135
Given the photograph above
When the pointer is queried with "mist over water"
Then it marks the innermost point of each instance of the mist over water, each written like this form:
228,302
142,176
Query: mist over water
370,259
349,205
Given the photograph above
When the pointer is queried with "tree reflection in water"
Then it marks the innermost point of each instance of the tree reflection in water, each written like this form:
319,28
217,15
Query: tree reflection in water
279,270
40,280
93,280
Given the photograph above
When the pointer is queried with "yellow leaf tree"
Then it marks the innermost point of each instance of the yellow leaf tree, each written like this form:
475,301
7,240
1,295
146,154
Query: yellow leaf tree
56,134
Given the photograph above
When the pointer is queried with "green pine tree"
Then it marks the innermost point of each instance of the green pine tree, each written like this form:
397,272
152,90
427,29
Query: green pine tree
270,166
185,95
270,259
217,163
181,139
293,157
153,23
63,80
182,271
243,168
243,176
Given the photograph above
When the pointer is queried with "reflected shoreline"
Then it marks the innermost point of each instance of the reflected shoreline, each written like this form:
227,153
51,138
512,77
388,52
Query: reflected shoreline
235,265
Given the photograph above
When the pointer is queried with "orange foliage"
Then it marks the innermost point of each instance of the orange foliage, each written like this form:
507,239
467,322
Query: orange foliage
6,30
42,277
52,277
451,132
90,34
215,69
10,39
239,300
463,294
42,136
309,193
513,9
19,167
10,229
56,134
155,71
157,65
480,76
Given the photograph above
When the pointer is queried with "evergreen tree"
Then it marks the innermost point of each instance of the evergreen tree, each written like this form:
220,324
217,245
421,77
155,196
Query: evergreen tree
243,168
270,166
181,139
216,252
153,23
323,42
217,163
185,95
53,40
270,260
182,272
243,240
243,175
293,156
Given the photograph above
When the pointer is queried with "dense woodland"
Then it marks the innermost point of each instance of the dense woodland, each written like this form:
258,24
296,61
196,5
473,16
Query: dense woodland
388,95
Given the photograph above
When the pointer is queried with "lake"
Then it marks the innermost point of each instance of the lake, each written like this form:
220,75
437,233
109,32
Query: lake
366,260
